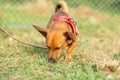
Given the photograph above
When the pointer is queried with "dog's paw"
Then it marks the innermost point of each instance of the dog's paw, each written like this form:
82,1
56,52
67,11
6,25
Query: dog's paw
68,57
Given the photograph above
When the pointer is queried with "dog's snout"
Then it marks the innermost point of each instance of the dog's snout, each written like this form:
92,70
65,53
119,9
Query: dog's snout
52,61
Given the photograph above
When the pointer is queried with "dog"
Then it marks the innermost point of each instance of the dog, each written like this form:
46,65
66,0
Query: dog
61,32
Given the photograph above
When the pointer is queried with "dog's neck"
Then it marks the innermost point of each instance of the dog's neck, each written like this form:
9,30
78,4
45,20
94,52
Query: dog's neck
70,22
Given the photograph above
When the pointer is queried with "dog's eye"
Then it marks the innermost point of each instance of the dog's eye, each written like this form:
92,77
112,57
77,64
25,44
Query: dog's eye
57,48
48,47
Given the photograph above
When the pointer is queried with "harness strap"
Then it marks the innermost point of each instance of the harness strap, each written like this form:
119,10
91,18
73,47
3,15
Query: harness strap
69,21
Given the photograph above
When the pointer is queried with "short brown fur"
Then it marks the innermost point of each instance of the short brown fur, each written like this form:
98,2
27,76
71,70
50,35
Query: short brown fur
57,34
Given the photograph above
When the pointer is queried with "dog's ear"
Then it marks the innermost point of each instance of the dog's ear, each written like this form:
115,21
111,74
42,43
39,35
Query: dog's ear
43,31
70,36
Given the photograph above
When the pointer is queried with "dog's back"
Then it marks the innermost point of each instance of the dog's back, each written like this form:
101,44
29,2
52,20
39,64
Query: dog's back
61,9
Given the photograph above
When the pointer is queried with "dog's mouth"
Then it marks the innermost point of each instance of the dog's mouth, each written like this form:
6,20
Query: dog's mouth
52,60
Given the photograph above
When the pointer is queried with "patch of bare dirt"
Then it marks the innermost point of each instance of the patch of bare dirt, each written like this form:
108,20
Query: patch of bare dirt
1,12
88,13
38,7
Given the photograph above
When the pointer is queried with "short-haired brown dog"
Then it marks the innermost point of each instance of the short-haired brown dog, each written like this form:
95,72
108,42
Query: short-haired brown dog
61,32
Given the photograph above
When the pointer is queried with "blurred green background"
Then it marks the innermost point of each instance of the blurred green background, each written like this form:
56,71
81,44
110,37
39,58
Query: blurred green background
24,13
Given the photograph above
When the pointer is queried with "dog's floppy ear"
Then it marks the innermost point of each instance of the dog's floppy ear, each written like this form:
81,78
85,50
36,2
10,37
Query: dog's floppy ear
70,36
43,31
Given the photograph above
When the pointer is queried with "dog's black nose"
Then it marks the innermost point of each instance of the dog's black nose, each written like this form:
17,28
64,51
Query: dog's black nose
52,61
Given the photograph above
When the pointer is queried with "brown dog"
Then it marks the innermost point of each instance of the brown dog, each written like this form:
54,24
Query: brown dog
60,32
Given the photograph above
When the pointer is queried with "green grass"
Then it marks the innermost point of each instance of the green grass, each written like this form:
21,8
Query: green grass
96,56
23,62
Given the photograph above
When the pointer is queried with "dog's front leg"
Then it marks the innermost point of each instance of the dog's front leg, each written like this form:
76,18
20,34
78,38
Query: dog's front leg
69,51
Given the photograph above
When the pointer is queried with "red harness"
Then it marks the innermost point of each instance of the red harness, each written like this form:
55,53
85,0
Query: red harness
69,21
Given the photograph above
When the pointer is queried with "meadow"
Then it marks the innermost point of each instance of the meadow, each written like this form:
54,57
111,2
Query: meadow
96,56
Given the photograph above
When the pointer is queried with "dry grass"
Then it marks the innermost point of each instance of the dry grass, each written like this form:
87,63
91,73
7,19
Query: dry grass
95,50
36,7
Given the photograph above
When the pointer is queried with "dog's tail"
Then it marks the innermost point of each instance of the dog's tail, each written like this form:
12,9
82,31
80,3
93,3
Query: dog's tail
61,6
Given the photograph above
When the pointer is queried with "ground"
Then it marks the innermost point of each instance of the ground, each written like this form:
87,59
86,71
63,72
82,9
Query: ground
96,56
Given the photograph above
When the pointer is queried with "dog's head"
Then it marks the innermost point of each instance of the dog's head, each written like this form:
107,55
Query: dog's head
56,41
